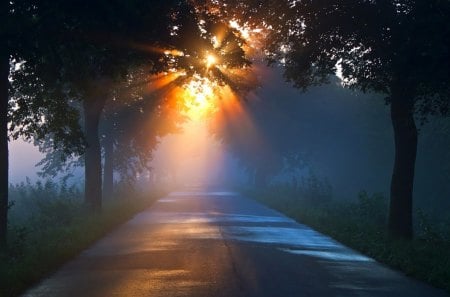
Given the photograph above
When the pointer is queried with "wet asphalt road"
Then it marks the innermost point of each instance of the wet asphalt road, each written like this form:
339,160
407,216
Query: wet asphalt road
220,244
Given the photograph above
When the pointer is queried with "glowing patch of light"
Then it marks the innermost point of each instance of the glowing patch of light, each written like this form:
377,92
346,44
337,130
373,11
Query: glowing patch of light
216,42
199,98
210,61
245,32
339,73
333,255
173,52
254,36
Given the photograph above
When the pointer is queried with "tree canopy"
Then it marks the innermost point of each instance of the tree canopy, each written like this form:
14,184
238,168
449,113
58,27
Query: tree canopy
397,48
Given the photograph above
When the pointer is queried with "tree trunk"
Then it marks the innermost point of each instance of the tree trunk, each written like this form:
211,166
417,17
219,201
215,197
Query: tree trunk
4,183
93,107
108,170
405,135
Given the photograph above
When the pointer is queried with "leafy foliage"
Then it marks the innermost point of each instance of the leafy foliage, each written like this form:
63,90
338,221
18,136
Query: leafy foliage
199,32
48,203
42,113
396,48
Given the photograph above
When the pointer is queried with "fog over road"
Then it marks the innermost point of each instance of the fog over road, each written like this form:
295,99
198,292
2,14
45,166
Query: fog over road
221,244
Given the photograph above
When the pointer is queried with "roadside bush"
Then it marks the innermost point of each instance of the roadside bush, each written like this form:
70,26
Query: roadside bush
45,203
48,225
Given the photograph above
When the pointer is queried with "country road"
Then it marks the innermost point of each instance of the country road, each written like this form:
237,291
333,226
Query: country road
221,244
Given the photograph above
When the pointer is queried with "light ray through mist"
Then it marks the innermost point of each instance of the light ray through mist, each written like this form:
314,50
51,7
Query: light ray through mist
191,158
214,102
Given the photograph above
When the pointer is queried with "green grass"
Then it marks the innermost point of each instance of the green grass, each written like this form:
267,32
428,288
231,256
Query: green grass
361,225
56,231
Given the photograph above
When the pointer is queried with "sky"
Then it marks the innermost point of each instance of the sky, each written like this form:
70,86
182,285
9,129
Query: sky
23,157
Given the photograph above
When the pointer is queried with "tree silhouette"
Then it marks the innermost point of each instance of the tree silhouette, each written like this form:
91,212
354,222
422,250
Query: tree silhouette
85,48
26,109
92,47
65,52
398,48
131,127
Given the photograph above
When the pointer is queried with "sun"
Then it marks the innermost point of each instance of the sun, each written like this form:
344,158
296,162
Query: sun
210,61
205,80
199,94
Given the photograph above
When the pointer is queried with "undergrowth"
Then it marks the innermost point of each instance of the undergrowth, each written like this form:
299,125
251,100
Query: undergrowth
48,225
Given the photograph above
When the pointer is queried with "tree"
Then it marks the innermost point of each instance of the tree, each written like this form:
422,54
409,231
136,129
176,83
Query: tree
4,97
76,52
21,114
94,44
397,48
131,127
95,50
8,47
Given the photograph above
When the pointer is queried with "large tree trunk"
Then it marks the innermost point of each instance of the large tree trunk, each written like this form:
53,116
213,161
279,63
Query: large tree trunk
405,133
108,170
93,107
4,84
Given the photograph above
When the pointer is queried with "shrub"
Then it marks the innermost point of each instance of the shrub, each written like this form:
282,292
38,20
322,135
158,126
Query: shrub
49,225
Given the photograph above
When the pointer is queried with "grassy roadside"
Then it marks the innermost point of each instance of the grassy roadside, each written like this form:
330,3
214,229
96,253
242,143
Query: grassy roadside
61,229
361,226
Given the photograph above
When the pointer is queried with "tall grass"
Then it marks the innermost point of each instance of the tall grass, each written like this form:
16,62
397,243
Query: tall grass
49,225
361,224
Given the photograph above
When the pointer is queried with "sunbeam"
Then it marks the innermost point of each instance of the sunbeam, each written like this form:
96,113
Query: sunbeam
210,86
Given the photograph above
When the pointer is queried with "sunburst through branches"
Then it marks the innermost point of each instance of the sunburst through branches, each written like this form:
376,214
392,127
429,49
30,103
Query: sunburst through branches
209,59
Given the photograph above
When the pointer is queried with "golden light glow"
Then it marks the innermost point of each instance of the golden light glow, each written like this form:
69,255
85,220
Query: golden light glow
202,95
210,60
245,32
161,81
216,41
174,52
199,98
198,90
254,37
